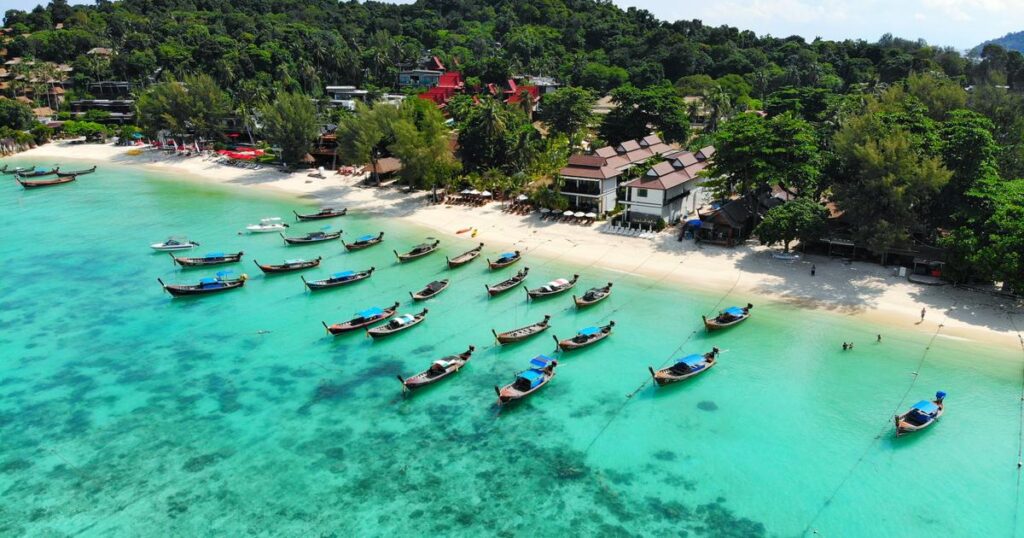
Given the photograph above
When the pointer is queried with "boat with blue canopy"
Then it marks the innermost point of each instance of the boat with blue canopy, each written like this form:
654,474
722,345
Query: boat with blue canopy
585,337
685,367
465,257
362,319
728,317
208,259
364,241
522,333
39,172
418,251
225,280
338,279
507,284
593,296
541,371
398,324
288,265
921,415
438,370
505,259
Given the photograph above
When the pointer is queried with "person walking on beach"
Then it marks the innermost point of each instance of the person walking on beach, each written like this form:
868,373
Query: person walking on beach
922,314
879,339
814,269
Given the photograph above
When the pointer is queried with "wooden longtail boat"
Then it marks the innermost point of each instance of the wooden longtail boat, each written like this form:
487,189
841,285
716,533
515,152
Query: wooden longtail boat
398,324
363,319
30,184
522,333
39,173
505,260
418,251
685,367
77,172
311,237
921,415
527,382
338,279
288,266
438,370
465,257
593,296
553,288
506,285
728,317
206,286
211,258
324,213
585,337
430,290
17,170
365,241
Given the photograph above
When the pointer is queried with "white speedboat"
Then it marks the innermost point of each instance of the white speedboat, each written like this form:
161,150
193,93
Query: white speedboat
268,224
174,243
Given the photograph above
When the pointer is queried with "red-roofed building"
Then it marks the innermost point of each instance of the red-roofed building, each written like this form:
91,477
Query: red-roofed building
448,84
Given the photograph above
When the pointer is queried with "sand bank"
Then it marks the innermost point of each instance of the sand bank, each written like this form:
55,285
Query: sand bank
863,290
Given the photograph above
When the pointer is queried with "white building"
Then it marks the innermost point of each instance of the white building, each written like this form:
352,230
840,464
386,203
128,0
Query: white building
663,191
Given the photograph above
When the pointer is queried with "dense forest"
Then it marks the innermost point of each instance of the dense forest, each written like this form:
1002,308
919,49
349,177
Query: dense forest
911,143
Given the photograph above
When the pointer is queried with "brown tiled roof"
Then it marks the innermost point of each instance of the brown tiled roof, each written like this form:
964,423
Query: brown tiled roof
387,165
606,151
685,159
589,161
42,111
639,155
627,146
706,152
603,172
650,140
663,177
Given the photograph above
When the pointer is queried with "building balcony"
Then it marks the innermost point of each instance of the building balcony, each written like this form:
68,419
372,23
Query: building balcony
581,187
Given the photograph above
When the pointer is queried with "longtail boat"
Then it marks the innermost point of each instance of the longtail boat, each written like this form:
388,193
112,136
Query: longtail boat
39,173
465,257
174,243
522,333
418,251
365,241
728,317
222,282
593,296
362,319
311,237
430,290
17,170
685,367
398,324
504,260
585,337
527,382
338,279
921,415
508,284
552,288
210,258
32,184
288,266
77,172
438,370
324,213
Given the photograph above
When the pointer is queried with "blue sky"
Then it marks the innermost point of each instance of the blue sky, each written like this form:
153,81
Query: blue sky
959,23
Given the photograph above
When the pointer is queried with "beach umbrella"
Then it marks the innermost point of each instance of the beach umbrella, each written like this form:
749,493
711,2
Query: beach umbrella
568,214
579,214
486,194
474,192
465,191
522,198
545,210
307,158
591,215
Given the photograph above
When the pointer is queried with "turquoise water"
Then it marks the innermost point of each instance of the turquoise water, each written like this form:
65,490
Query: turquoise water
126,412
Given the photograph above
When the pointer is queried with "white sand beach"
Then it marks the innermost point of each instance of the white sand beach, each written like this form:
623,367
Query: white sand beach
864,290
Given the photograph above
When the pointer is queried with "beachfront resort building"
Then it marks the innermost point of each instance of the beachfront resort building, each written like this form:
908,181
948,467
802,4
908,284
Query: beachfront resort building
112,97
663,191
591,182
347,96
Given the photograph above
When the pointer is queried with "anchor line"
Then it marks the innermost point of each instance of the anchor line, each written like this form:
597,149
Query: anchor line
867,449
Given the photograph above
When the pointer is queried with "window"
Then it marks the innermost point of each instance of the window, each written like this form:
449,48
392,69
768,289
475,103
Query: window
642,193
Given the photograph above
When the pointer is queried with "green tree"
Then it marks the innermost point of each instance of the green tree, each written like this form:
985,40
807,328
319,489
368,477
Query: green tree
290,123
638,110
939,94
753,152
364,136
497,136
15,115
802,219
422,144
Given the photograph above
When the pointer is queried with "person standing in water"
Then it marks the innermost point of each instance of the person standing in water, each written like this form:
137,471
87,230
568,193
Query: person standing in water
814,269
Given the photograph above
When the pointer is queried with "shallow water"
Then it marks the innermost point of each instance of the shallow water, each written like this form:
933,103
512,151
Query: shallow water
126,412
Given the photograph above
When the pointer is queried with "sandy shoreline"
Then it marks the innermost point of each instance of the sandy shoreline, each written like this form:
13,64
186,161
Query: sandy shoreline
862,290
